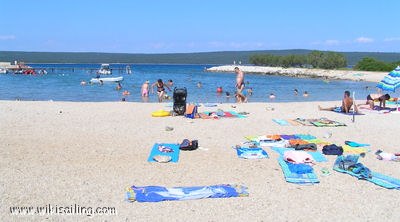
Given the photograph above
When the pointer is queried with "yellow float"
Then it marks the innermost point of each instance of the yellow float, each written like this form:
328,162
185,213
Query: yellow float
160,113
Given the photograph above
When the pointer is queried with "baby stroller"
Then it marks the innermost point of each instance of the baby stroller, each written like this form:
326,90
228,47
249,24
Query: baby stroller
179,97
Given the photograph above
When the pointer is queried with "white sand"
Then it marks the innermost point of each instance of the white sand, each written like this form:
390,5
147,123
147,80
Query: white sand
90,152
301,72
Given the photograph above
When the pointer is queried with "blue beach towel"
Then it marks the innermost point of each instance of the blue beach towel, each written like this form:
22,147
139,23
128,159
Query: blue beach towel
350,113
237,114
159,193
376,178
355,144
305,136
251,153
281,122
292,177
317,155
156,151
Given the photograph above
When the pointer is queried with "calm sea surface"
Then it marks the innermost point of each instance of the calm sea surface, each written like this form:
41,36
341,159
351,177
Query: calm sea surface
64,85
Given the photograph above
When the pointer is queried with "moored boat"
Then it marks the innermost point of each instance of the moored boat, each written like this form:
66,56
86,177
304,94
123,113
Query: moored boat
104,69
103,80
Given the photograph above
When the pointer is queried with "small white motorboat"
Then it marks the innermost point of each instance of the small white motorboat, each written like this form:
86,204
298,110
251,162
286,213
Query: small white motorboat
104,69
104,80
3,70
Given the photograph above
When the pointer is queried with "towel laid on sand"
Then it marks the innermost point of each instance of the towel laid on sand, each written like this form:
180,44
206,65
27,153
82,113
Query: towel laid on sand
220,114
165,149
251,153
298,178
350,113
376,110
355,150
324,122
355,144
317,155
159,193
344,164
281,122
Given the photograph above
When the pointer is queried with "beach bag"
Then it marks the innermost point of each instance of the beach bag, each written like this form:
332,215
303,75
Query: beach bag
332,150
191,111
187,145
306,147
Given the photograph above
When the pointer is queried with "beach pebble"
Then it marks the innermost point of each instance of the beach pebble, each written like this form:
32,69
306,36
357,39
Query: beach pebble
328,135
169,128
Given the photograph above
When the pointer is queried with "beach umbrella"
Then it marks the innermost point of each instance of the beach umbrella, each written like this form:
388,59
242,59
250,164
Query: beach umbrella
391,81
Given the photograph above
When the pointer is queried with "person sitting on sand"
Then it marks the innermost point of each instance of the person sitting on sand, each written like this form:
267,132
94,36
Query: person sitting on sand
145,89
160,89
381,98
240,97
347,103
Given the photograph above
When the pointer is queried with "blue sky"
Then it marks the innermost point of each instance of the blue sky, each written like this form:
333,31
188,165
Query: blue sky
140,26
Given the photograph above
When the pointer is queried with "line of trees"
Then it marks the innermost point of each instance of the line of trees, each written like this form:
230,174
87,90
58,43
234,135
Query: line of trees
371,64
315,59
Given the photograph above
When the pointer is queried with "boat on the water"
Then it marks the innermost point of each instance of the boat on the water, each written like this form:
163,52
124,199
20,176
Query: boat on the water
3,70
104,69
104,80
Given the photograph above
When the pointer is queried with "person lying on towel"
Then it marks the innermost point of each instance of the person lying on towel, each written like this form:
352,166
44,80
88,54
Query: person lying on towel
347,103
371,98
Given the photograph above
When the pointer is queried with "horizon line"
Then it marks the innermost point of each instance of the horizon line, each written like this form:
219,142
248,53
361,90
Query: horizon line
198,52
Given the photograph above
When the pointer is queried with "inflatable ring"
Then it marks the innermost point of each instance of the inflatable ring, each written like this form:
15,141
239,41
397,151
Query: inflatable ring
160,113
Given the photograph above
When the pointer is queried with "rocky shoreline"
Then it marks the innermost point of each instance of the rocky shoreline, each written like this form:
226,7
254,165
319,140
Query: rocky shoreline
352,75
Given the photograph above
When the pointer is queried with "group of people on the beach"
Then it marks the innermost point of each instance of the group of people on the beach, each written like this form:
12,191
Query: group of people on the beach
348,103
241,93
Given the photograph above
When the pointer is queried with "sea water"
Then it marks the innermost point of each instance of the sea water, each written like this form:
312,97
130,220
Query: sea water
64,84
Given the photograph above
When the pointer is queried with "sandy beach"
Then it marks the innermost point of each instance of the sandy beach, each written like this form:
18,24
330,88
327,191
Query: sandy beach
309,73
65,153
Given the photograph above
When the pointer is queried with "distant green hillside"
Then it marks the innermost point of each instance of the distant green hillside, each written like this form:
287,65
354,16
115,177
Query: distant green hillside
226,57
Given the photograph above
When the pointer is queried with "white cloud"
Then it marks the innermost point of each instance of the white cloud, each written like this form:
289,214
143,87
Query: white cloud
364,40
391,39
7,37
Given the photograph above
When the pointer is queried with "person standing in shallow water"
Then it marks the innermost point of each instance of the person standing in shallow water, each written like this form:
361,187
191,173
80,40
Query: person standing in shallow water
240,97
160,89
